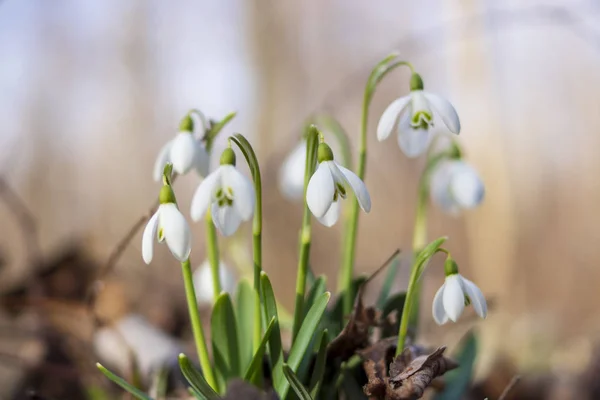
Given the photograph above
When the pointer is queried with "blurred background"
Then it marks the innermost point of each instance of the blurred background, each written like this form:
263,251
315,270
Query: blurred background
90,91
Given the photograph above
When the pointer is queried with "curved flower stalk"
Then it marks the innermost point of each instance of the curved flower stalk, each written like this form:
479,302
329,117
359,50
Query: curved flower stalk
456,292
228,193
413,118
168,225
455,185
185,151
203,282
328,186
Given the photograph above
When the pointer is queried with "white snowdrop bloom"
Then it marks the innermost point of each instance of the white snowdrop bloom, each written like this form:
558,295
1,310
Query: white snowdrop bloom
412,116
152,348
291,174
455,185
449,301
328,185
169,225
185,152
228,193
203,283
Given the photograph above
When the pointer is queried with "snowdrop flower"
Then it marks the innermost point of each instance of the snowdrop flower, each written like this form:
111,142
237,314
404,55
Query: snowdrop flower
184,151
291,174
413,117
205,292
169,225
152,347
456,292
328,185
229,194
455,185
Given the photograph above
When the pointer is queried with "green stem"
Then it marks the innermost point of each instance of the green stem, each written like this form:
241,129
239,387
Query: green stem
305,232
252,161
407,310
197,330
351,224
212,251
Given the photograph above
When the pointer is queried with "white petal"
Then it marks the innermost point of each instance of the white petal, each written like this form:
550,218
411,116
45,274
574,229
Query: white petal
358,187
291,174
204,284
201,160
204,194
390,116
445,110
439,187
476,296
226,219
148,238
176,231
320,191
183,152
162,159
332,215
439,314
413,142
453,297
466,186
243,191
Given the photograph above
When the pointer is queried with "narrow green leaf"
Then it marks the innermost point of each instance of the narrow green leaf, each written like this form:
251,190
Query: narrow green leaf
390,277
319,367
458,380
244,313
195,379
305,335
295,383
316,290
224,339
216,129
197,395
123,383
257,359
274,343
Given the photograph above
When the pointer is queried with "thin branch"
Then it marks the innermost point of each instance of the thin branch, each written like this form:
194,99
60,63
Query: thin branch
513,382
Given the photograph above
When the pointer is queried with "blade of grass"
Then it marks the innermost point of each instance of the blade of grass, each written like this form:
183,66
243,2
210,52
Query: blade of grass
138,394
295,383
225,341
257,359
319,367
195,379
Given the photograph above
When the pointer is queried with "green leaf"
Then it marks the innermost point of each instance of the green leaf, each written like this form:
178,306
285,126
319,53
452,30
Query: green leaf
458,380
195,379
216,129
260,353
197,395
320,364
296,384
224,339
390,277
123,383
305,335
244,312
274,343
316,290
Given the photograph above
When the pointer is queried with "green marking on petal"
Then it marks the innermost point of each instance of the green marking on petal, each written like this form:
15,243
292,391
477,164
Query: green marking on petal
421,120
160,234
341,190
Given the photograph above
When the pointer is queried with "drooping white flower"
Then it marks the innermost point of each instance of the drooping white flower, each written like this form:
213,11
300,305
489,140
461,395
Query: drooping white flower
184,151
328,185
412,116
229,194
203,282
449,301
455,185
153,348
169,225
291,174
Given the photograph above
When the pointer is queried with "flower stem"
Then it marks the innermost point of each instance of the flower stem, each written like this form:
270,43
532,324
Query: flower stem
212,250
411,295
197,330
351,223
305,232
